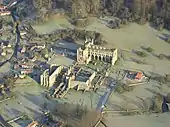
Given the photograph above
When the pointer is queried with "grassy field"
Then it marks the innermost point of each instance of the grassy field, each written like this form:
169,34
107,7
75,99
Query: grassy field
54,23
129,40
138,121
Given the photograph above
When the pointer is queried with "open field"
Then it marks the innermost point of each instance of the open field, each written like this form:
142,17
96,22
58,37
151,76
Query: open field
127,39
133,37
138,121
54,23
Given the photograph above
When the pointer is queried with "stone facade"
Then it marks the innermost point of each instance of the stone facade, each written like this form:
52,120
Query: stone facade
91,52
78,84
47,79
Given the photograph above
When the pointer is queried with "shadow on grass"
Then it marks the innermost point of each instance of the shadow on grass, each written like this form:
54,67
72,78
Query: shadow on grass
157,77
162,37
131,101
36,113
39,101
154,92
138,61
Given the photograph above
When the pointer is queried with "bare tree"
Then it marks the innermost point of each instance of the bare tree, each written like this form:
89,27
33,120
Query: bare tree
90,119
82,8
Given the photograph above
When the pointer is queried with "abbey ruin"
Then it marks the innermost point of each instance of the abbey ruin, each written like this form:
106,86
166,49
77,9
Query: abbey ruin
60,79
91,52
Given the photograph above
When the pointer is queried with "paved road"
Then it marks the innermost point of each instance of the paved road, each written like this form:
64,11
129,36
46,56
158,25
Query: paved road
105,97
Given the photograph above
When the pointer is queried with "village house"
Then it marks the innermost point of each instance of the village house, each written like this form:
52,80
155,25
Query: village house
23,68
23,31
5,48
5,44
32,46
3,53
23,50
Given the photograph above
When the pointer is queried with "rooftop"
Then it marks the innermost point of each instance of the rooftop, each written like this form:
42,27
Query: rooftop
4,42
83,75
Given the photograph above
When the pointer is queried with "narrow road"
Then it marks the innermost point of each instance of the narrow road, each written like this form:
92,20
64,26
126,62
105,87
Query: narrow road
17,40
105,97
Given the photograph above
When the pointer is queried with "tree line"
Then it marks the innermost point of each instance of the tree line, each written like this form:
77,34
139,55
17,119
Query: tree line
155,11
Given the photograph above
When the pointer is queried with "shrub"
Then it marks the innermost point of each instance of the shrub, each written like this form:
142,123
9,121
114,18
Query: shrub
158,99
167,57
168,40
148,103
168,98
121,88
141,54
160,79
161,56
149,49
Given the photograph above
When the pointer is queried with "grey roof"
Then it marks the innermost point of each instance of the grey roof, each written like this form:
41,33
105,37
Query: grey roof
2,81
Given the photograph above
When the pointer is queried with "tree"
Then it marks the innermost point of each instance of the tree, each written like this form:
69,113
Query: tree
83,8
1,24
136,8
168,98
10,81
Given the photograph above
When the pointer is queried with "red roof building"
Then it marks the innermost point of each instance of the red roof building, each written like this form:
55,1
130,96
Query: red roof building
139,75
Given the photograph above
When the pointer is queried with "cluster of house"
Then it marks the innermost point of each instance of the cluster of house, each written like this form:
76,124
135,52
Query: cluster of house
23,68
29,50
26,58
5,48
4,11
